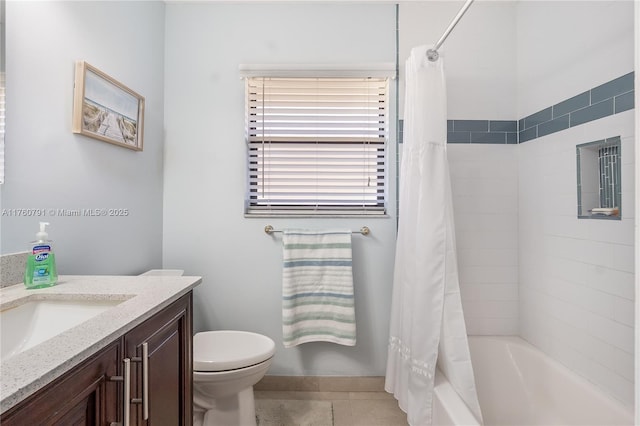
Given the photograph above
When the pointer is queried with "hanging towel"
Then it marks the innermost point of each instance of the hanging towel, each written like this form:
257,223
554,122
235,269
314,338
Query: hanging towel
317,287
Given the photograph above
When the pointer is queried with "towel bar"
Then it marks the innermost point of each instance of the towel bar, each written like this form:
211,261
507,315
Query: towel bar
364,230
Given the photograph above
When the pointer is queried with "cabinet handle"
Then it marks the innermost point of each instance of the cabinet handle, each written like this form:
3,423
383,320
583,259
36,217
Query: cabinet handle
126,383
127,392
145,380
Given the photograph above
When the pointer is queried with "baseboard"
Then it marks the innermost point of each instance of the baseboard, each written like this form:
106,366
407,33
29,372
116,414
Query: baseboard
321,383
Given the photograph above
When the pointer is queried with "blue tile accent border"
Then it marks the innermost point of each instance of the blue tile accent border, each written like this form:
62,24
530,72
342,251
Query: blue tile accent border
624,102
503,126
477,131
489,137
470,125
482,131
553,126
610,98
538,118
565,107
527,135
593,112
612,88
458,137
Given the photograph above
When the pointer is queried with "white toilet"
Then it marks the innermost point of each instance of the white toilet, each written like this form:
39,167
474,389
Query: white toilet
226,365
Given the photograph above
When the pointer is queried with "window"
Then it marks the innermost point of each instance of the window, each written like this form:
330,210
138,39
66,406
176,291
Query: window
316,145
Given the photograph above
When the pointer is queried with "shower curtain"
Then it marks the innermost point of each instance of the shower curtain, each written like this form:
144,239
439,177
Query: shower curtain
427,323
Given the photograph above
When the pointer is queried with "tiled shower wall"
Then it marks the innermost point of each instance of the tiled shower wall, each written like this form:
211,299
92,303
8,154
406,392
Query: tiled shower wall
484,180
576,276
485,194
564,284
527,264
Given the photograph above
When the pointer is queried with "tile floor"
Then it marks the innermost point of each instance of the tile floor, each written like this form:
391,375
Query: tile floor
354,401
349,408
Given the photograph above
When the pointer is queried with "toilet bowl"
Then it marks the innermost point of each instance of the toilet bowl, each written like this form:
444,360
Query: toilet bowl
226,365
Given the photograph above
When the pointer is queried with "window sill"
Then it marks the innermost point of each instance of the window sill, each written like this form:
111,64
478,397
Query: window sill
314,216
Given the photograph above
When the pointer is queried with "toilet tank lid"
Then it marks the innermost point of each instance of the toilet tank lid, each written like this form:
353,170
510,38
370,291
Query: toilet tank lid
164,272
230,349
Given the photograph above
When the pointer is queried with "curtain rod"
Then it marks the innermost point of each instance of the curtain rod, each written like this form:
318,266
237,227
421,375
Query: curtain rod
432,54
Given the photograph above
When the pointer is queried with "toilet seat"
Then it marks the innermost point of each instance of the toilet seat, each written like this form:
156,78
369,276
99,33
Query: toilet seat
226,350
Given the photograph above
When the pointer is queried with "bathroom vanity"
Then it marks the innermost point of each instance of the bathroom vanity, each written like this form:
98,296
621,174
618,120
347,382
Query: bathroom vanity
133,361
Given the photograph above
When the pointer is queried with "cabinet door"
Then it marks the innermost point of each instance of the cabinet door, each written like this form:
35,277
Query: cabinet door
83,396
167,337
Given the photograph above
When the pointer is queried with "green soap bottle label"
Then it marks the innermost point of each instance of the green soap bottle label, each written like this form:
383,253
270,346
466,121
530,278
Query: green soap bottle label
42,270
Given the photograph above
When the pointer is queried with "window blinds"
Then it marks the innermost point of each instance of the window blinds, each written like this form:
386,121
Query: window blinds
316,145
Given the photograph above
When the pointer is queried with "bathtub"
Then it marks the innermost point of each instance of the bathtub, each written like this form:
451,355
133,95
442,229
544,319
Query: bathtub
519,385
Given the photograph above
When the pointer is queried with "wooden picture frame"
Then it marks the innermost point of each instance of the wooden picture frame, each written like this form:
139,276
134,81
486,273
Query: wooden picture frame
105,109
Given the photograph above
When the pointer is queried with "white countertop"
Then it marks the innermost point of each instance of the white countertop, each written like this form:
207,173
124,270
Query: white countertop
24,373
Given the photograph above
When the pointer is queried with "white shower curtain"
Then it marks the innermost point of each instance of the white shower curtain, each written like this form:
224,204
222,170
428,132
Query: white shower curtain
427,323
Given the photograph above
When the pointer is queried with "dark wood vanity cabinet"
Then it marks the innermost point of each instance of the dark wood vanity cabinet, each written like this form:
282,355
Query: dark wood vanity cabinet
92,393
83,396
165,342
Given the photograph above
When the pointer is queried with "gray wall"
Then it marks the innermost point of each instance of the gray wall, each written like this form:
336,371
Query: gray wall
48,167
205,231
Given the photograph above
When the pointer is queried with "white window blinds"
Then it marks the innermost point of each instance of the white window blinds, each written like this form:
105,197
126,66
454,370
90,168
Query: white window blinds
316,145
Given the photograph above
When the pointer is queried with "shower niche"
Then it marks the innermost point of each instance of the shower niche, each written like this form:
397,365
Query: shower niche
599,177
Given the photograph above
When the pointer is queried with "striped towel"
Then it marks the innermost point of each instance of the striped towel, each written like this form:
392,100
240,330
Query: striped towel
317,288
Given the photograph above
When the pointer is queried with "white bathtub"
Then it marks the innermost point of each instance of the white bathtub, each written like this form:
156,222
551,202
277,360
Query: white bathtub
519,385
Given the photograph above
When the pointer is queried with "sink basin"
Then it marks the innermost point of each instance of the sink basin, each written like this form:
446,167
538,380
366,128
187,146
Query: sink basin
31,323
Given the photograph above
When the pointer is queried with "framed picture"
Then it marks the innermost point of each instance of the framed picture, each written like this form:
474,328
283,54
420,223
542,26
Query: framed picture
106,109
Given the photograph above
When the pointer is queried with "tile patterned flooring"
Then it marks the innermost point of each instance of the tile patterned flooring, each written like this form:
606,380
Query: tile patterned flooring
355,401
349,408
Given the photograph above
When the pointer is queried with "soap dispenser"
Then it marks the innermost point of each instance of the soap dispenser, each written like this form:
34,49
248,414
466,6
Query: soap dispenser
41,262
